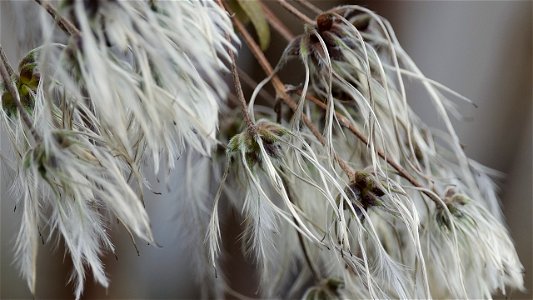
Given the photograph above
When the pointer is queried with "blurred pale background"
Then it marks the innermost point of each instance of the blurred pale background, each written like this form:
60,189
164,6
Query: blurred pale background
481,49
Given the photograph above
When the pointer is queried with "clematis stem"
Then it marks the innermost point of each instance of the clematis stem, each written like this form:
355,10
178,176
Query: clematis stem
61,21
310,6
280,89
276,23
238,88
240,95
6,64
295,12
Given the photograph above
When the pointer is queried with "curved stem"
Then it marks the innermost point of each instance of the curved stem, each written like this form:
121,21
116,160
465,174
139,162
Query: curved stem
310,6
240,95
6,64
237,84
276,23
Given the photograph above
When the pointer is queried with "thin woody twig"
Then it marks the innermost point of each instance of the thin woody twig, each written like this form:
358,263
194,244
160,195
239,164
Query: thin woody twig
240,95
310,6
295,12
61,21
276,23
238,88
6,64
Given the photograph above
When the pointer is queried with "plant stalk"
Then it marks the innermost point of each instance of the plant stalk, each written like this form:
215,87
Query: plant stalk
61,21
310,6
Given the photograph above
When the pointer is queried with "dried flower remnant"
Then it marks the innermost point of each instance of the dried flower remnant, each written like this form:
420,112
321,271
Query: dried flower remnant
364,192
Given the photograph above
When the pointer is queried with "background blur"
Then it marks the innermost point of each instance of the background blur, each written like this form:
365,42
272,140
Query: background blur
483,50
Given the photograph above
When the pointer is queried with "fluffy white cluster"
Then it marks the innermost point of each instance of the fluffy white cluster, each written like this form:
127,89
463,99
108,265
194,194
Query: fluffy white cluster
138,80
410,217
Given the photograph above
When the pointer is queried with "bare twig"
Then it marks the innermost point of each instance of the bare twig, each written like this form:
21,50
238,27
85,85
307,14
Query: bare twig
276,23
240,95
310,6
238,88
62,22
295,12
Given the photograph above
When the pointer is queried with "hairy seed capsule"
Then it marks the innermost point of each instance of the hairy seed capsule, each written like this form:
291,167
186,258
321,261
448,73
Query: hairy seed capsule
324,22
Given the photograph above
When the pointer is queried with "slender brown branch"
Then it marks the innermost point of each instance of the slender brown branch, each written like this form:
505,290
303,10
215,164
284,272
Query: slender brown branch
310,6
240,95
293,10
280,90
6,64
8,83
61,21
276,23
238,88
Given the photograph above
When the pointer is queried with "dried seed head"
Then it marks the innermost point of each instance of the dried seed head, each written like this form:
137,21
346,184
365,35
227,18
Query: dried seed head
246,142
364,191
454,201
324,22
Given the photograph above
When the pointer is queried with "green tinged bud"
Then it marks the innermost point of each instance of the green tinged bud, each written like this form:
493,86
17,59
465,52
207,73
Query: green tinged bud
454,201
364,190
29,59
29,76
26,84
8,104
269,135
